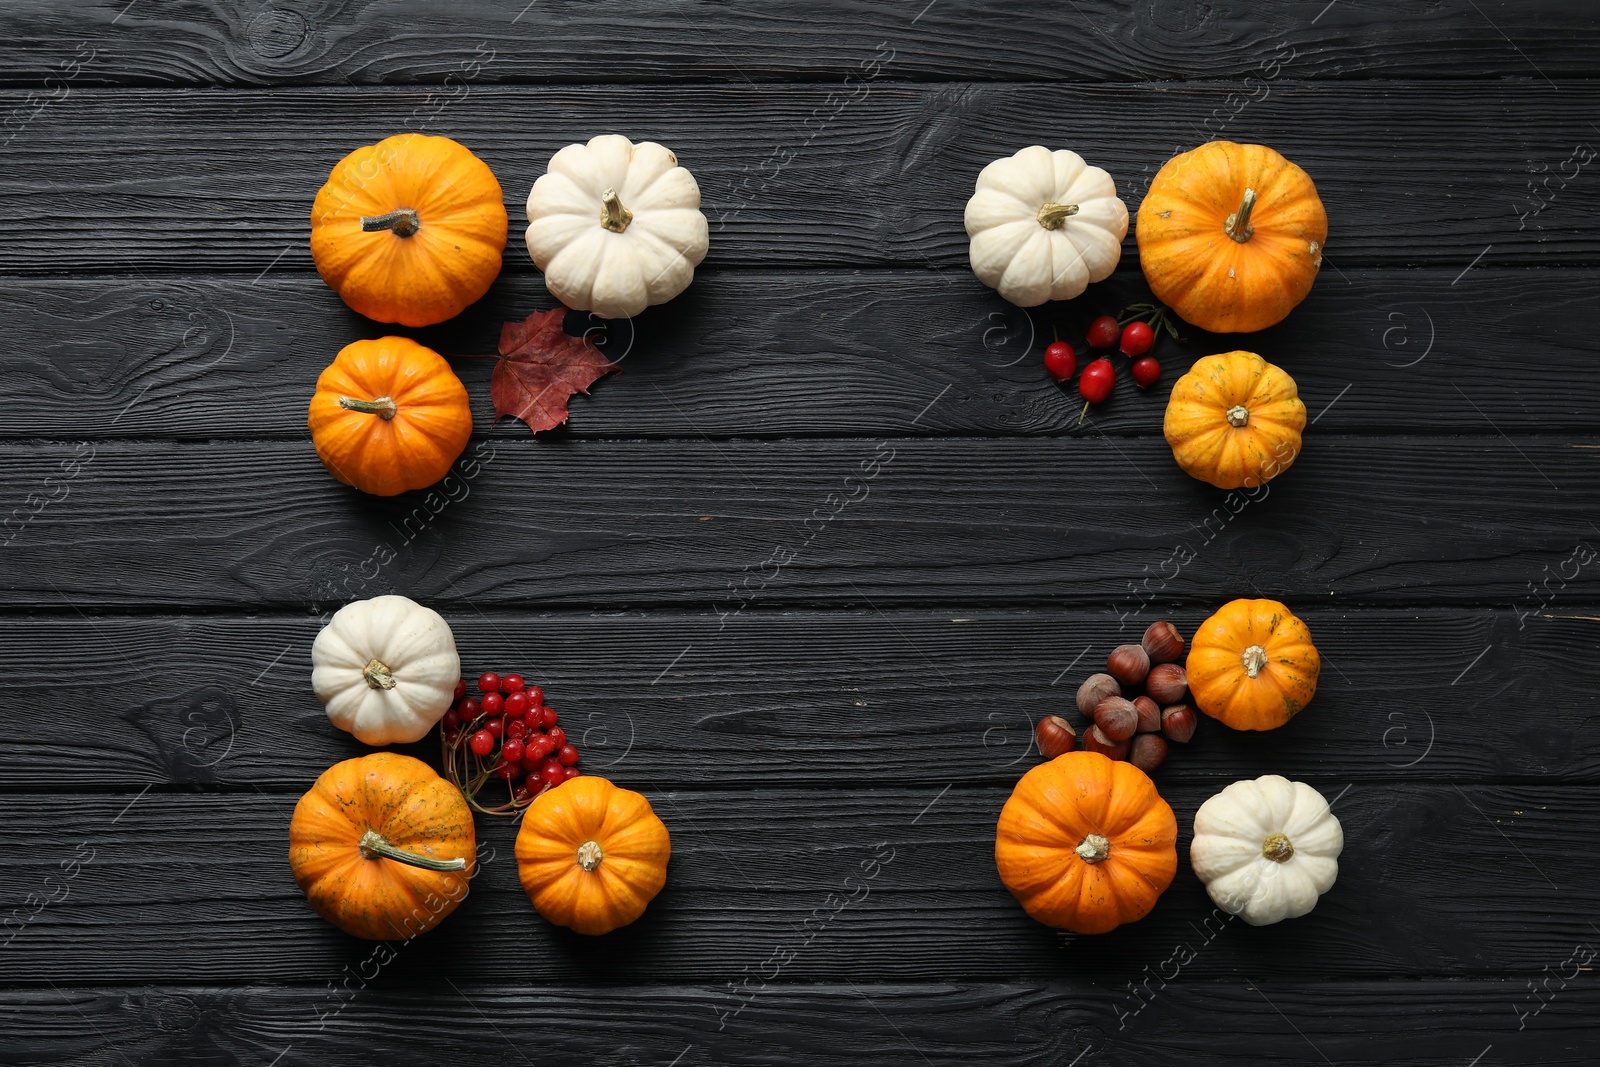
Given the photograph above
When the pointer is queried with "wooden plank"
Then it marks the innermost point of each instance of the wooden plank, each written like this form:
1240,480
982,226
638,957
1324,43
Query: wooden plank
477,42
900,884
799,175
1066,1019
800,699
1064,522
767,354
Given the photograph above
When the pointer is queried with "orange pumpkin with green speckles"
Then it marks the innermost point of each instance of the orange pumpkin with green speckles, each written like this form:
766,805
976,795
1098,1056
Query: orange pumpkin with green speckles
1085,843
1252,665
1234,420
382,846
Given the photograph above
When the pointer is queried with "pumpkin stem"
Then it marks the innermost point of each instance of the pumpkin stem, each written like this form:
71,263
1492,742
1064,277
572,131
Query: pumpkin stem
1254,658
1238,415
373,844
1093,849
1052,215
402,222
384,407
378,676
614,215
1277,849
1238,225
590,855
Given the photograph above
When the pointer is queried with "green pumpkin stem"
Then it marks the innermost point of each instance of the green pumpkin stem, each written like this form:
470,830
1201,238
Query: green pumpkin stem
1238,224
384,407
373,845
402,222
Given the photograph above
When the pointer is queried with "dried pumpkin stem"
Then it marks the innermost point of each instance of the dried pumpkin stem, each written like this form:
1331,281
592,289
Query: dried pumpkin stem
402,222
1052,215
1238,225
1238,415
1277,849
614,215
1254,658
384,407
378,675
590,855
1093,849
374,845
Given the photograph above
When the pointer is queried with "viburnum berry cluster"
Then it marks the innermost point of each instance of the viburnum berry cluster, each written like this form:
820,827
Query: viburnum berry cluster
1133,332
505,732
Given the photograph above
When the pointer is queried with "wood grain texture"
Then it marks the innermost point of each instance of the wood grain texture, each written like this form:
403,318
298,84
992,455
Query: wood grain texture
1095,522
798,175
1475,881
1353,1024
336,42
823,353
804,699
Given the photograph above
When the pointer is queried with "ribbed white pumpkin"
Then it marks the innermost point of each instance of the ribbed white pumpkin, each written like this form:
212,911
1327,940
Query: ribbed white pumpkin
386,668
1266,849
1044,225
616,226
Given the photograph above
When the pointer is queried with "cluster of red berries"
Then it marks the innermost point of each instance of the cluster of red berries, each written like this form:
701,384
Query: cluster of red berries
1134,335
505,732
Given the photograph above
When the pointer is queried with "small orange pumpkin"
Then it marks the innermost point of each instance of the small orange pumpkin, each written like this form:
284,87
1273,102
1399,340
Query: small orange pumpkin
382,846
1231,236
1234,420
1252,665
1085,843
591,855
389,415
409,230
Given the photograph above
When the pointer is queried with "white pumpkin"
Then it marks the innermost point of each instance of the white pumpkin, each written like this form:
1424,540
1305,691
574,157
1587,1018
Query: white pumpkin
616,226
386,668
1266,849
1044,225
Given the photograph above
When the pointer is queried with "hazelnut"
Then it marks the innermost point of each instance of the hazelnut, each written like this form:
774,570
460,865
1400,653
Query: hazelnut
1128,664
1163,643
1055,736
1095,689
1149,715
1095,741
1178,722
1166,683
1147,752
1116,718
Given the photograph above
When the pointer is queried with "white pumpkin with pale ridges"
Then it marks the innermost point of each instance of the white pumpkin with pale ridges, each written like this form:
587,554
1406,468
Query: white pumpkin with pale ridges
1044,225
386,669
1267,849
616,226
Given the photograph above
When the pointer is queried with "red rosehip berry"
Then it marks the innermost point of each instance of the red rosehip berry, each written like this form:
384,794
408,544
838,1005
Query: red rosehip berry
482,743
469,709
552,774
495,727
511,751
1137,337
517,728
1060,360
516,705
1146,372
489,682
568,755
1103,332
557,736
1095,383
493,703
508,771
572,772
535,695
512,683
547,717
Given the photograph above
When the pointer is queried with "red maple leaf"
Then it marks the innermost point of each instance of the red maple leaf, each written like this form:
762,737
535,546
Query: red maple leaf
541,368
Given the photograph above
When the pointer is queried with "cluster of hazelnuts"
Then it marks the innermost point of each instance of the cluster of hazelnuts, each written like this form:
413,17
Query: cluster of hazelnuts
1135,729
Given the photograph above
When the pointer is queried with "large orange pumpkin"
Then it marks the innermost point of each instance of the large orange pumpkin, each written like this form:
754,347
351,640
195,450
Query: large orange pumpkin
1252,665
382,846
592,856
1234,420
409,230
389,415
1231,236
1085,843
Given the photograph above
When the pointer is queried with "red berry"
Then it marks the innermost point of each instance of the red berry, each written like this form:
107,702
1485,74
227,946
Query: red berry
1060,360
516,705
495,727
568,755
461,688
552,774
452,738
468,709
1095,383
1146,371
516,728
1103,332
512,683
493,703
539,746
536,695
572,772
450,721
1137,337
512,750
482,743
489,682
508,771
548,717
522,793
557,736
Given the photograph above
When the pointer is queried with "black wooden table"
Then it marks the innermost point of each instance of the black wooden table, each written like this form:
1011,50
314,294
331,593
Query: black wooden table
173,544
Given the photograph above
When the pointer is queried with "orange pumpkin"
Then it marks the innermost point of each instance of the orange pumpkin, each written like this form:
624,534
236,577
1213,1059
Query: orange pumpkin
389,415
591,855
409,230
1085,843
1234,420
1231,236
1252,665
382,846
